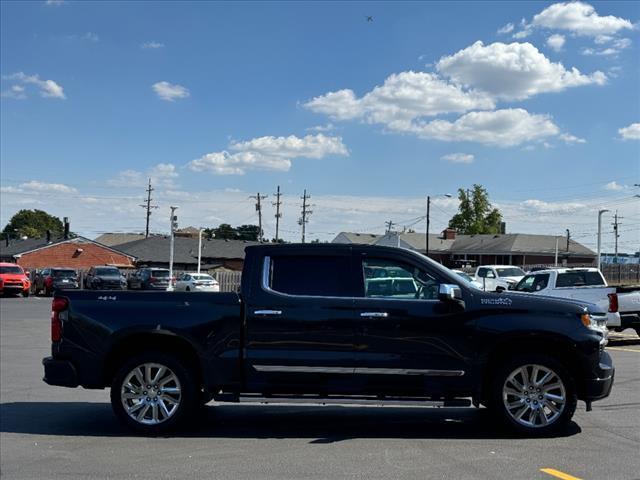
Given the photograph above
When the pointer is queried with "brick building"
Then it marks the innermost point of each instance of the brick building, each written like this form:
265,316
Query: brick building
78,253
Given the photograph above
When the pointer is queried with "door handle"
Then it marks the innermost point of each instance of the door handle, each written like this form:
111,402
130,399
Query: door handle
374,314
268,312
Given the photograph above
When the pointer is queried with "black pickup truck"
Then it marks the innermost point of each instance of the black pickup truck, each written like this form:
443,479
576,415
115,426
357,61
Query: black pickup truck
333,323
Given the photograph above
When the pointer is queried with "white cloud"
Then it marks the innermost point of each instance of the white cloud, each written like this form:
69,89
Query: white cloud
268,153
614,186
568,138
37,186
16,92
508,28
556,42
512,71
91,37
613,49
55,2
152,45
402,98
322,128
170,92
553,207
48,88
162,174
458,158
579,18
632,132
502,128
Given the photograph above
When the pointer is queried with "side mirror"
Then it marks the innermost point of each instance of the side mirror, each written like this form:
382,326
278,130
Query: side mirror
448,292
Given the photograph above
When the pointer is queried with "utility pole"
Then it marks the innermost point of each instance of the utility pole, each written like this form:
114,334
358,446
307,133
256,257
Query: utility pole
258,198
304,219
147,205
600,212
199,248
277,204
616,235
555,262
173,222
426,250
389,225
568,238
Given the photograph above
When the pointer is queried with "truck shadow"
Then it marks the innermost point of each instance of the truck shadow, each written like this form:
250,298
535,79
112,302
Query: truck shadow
318,424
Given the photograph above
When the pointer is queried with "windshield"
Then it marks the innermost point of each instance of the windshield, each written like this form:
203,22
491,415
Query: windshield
509,272
465,276
15,269
108,272
63,273
160,273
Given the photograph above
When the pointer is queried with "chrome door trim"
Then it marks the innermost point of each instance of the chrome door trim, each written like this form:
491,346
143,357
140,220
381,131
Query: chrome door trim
268,312
359,370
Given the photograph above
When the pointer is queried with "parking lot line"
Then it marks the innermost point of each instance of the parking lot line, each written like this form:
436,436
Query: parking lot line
620,349
558,474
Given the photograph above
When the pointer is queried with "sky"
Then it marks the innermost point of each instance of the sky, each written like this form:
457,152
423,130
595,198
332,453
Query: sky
369,106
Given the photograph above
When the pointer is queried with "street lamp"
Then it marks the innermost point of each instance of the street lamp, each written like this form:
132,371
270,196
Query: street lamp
600,212
173,223
447,195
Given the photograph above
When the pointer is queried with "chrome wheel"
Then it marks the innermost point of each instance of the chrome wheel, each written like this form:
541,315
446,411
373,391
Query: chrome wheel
534,396
151,393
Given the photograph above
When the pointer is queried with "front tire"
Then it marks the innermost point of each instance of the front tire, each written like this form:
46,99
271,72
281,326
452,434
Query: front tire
533,395
154,393
25,293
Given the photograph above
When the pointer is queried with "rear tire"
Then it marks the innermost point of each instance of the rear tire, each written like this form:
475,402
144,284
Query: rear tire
167,405
533,394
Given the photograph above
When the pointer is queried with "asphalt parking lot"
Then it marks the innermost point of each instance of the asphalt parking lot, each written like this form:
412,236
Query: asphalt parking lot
53,432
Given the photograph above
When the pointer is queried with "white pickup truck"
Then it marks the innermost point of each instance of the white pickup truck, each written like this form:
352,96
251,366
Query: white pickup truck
497,278
587,284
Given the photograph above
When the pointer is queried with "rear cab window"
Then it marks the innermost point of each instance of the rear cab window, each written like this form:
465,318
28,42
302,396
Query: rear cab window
579,279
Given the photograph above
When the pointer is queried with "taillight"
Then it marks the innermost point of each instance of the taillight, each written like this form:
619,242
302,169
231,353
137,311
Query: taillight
48,281
613,302
153,280
58,306
173,280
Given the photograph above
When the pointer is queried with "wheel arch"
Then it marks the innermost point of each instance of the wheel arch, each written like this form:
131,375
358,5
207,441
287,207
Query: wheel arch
557,347
136,343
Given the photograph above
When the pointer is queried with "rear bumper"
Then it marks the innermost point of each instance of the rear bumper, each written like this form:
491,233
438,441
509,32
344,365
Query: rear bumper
630,320
59,372
600,387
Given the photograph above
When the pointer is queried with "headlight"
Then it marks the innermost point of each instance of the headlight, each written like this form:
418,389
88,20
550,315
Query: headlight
597,323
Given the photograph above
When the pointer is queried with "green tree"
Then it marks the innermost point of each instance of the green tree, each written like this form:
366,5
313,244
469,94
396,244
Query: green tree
33,224
248,232
225,232
475,213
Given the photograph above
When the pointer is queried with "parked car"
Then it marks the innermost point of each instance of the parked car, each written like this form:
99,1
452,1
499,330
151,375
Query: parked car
13,280
150,279
496,278
304,327
468,278
196,282
105,278
587,284
50,279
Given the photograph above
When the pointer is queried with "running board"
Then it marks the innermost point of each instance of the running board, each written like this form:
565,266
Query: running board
346,400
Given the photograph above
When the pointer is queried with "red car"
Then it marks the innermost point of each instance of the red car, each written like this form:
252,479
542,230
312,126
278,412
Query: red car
13,280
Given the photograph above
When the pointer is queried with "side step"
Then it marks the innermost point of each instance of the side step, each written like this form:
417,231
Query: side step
345,400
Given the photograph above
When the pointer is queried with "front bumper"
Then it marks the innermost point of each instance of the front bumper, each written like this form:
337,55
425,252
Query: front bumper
59,372
600,387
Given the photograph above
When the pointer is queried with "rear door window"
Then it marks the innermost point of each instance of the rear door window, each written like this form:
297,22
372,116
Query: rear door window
312,275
